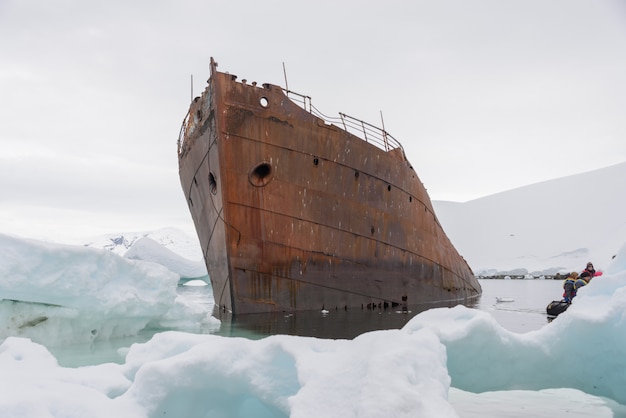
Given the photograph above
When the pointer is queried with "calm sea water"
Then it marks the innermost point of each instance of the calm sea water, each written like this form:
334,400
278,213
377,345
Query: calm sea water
518,305
523,305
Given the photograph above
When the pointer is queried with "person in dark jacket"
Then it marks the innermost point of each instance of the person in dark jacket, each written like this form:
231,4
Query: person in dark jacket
569,285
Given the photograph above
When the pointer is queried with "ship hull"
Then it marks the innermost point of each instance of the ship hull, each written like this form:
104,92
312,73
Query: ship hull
295,214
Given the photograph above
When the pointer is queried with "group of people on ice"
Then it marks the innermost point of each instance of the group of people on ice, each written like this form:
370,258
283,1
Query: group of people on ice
573,282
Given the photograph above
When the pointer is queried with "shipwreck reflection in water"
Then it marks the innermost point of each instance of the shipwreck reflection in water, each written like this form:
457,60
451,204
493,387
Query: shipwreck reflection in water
332,324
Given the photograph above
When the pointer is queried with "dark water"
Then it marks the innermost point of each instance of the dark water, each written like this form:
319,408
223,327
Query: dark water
517,305
522,308
335,324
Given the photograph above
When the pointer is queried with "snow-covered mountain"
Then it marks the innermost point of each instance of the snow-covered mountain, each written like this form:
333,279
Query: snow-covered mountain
170,247
544,227
173,239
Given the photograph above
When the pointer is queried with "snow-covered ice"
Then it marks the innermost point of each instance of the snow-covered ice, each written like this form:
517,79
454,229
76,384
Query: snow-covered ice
62,294
456,362
148,249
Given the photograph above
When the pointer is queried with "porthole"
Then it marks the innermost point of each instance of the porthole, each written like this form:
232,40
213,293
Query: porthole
212,184
261,174
356,174
388,187
264,102
316,161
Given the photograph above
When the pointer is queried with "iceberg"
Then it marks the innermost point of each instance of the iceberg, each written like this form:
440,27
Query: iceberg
148,249
60,294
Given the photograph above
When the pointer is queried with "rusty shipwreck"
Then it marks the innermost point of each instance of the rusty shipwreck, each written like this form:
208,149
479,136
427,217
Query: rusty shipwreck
296,211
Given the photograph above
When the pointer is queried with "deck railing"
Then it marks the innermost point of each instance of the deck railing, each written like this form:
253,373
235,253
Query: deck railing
368,132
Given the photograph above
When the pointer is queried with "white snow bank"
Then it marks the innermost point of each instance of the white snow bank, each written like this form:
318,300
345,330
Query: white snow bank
59,294
547,403
383,373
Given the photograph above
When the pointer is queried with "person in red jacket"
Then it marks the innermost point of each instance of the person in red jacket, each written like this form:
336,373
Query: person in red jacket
588,273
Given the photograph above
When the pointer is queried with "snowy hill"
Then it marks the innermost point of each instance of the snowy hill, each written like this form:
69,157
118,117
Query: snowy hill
553,225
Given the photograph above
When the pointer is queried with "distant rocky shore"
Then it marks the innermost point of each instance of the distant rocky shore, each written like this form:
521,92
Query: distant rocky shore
556,276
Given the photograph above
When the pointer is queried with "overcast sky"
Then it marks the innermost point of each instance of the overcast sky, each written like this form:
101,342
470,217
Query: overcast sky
485,96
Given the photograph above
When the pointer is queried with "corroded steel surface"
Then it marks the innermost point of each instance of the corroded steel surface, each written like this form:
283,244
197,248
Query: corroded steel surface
294,213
